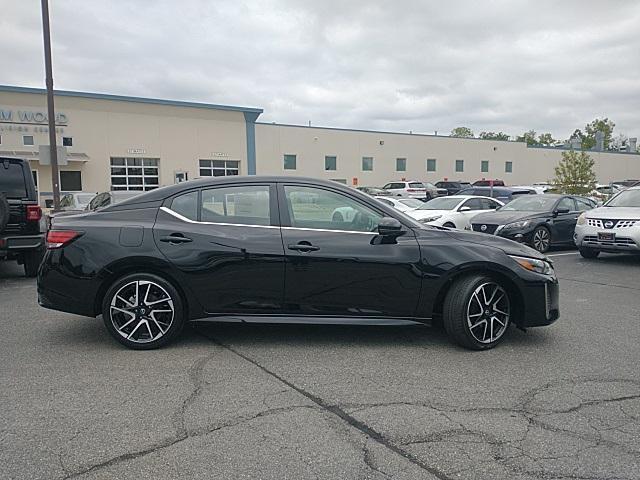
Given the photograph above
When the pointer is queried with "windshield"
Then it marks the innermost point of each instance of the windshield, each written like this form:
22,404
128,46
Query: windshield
531,203
412,202
84,199
626,198
440,203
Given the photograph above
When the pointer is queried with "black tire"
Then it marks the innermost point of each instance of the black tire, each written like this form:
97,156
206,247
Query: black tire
4,212
31,262
457,316
589,252
141,315
449,225
541,239
337,217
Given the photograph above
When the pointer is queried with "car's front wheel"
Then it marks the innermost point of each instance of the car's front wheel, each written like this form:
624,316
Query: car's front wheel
589,252
477,312
541,239
143,311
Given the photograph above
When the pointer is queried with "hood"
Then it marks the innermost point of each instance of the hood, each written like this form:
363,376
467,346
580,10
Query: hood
504,217
420,214
507,246
616,213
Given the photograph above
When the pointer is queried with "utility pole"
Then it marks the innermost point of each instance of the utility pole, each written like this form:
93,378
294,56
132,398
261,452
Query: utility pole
55,178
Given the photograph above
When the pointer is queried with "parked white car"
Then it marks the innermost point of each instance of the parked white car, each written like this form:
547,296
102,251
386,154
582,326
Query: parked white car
403,204
411,189
614,227
454,211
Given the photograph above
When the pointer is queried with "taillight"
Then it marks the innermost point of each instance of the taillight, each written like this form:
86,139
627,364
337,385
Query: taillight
34,213
60,238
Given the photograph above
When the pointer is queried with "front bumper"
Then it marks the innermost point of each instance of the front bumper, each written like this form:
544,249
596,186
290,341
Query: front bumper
627,239
541,304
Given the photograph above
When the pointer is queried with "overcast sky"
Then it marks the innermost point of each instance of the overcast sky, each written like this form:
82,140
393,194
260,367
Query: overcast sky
392,65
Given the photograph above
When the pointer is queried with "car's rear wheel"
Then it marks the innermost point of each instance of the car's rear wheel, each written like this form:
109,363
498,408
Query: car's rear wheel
143,311
589,252
31,262
477,312
541,239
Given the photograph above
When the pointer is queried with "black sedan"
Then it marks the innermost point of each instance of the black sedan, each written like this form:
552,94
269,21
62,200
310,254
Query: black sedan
256,249
540,221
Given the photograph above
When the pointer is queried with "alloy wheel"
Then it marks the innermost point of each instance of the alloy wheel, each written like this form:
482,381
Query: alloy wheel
141,311
541,240
488,312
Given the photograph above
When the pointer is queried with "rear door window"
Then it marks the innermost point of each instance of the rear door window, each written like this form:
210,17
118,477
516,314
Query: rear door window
12,181
246,204
186,205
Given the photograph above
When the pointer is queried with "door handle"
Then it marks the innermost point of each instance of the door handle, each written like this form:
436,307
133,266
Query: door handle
175,238
303,247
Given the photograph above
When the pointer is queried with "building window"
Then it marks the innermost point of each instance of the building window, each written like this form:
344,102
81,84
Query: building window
508,167
431,164
367,164
35,178
219,168
134,173
330,162
67,142
71,181
401,164
27,140
289,162
484,166
459,165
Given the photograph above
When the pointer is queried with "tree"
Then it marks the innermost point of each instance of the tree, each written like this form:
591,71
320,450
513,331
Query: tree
605,126
618,142
462,132
574,173
529,137
546,139
494,136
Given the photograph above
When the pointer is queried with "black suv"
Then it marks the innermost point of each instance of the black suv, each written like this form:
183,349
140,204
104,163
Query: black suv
20,215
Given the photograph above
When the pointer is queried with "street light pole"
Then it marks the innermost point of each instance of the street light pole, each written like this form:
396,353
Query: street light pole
55,178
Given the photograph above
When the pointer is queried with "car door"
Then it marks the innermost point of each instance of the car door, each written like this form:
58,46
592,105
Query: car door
469,209
564,224
344,269
226,242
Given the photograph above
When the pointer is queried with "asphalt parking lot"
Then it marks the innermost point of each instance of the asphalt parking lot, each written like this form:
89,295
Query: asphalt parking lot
294,402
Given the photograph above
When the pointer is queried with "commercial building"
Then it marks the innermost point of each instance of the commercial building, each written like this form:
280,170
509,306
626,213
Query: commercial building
116,142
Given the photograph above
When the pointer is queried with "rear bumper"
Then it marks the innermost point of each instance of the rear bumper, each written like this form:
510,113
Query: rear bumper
16,244
541,304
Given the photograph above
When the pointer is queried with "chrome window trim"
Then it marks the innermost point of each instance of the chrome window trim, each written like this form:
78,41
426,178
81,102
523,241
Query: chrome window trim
188,220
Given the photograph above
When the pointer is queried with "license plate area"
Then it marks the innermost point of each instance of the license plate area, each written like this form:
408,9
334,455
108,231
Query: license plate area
606,236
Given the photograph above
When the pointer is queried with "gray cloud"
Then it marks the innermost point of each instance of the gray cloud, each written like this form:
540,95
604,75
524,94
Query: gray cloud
412,65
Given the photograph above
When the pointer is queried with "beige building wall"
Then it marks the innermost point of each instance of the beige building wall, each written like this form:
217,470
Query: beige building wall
312,144
101,129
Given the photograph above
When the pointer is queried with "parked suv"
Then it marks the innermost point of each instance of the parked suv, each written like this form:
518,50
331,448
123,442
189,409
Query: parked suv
452,188
411,189
20,214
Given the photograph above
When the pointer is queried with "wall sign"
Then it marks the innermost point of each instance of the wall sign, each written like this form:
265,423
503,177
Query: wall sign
136,151
27,116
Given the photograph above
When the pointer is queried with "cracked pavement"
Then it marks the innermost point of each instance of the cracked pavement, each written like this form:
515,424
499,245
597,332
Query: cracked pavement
279,402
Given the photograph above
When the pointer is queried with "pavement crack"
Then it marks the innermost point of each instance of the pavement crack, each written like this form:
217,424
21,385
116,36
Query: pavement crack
340,413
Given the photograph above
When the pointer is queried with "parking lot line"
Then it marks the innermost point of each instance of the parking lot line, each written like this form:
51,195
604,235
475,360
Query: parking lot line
561,254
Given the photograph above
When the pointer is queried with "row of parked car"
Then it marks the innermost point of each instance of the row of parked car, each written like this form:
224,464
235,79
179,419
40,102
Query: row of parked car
541,221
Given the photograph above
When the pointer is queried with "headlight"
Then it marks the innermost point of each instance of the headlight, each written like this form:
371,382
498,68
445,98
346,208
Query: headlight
521,224
582,218
430,219
534,265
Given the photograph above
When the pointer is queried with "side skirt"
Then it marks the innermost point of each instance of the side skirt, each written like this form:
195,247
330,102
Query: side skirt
313,320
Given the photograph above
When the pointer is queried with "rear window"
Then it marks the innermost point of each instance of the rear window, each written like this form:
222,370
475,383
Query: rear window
12,182
416,185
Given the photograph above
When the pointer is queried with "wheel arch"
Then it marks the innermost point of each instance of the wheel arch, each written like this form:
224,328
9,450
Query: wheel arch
139,265
503,277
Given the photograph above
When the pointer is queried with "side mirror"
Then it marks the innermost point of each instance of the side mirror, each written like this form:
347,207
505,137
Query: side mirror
390,227
561,210
464,209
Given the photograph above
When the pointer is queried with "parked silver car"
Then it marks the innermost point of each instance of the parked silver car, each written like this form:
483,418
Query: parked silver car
614,227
